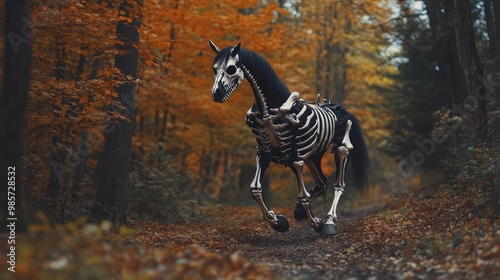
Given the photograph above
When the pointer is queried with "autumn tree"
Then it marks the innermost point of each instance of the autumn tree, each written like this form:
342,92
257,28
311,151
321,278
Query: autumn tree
443,95
73,80
17,59
83,64
471,67
426,73
115,159
434,69
492,19
492,24
200,136
345,35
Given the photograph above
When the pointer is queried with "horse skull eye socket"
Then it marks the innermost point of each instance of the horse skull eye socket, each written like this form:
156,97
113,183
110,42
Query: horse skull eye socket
231,70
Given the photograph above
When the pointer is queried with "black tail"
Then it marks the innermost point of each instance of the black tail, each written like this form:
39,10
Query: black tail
359,156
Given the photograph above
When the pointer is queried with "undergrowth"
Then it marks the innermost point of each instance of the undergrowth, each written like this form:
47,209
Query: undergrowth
476,171
161,192
78,250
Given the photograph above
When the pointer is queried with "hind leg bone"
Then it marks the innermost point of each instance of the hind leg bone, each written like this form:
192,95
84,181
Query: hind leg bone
318,190
320,179
338,188
341,158
304,198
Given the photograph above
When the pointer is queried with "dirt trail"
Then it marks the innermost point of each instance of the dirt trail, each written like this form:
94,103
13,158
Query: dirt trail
437,236
301,253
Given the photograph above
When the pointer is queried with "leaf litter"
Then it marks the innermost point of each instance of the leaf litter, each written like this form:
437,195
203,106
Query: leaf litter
426,235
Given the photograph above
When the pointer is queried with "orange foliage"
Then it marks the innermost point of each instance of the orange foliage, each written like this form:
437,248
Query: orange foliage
73,78
73,81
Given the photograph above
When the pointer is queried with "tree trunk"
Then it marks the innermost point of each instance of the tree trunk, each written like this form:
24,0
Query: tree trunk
496,14
157,121
58,169
17,63
440,13
76,188
341,65
472,68
163,126
161,139
492,15
340,74
490,26
112,187
80,168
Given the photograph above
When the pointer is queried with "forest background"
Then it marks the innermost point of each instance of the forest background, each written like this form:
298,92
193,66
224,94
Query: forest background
402,67
117,161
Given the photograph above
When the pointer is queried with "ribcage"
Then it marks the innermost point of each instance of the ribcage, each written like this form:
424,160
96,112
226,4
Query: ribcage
315,130
297,134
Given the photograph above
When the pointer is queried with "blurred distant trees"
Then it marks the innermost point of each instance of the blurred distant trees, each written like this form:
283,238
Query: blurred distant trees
448,77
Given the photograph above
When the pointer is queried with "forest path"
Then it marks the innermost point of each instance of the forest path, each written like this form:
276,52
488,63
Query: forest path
301,253
427,235
438,233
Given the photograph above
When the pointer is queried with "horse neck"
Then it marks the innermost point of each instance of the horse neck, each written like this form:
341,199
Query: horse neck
269,90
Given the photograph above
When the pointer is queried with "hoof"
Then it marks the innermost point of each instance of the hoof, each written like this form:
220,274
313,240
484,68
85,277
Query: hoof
281,225
330,229
319,227
299,213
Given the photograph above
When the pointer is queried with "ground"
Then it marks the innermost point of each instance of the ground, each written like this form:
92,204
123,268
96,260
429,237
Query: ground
431,234
425,237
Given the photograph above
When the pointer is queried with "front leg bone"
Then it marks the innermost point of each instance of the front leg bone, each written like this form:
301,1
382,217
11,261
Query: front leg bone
277,222
256,189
